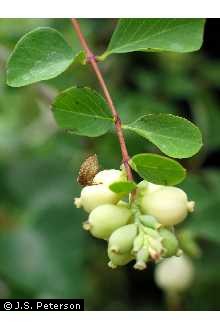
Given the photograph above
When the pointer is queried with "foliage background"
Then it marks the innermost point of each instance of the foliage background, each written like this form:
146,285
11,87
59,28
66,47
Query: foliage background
43,250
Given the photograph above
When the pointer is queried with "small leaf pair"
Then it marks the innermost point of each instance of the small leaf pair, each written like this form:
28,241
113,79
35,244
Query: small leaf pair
84,112
43,53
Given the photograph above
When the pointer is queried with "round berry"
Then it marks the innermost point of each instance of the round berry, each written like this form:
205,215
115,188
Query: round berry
121,240
107,177
117,259
169,205
93,196
174,274
169,242
104,219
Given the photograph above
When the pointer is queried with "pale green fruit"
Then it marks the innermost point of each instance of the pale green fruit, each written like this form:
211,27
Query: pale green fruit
104,219
189,244
93,196
174,274
117,259
138,243
151,233
121,240
108,177
169,242
149,221
155,248
142,256
169,205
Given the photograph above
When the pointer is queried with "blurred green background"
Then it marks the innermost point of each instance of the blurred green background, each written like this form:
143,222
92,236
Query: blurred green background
44,253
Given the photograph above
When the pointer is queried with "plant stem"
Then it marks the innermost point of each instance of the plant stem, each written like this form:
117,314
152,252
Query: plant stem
91,58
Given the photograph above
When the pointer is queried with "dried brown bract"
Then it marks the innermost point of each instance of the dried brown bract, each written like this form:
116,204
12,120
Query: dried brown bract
88,170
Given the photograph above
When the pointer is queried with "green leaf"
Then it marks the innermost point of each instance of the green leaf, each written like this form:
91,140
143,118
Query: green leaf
176,35
39,55
158,169
82,111
174,136
123,187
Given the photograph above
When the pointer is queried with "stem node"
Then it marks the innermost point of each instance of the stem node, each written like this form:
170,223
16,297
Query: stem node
117,120
90,58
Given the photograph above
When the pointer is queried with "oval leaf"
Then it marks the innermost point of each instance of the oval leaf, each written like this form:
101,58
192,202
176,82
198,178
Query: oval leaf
39,55
82,111
173,135
158,169
123,187
154,34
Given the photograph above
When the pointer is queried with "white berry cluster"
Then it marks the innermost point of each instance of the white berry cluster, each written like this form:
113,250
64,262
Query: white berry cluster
139,229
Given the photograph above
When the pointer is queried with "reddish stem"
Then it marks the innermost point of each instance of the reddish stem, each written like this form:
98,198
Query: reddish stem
92,60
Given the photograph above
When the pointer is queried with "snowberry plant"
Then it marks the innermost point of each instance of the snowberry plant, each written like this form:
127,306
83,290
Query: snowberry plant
137,220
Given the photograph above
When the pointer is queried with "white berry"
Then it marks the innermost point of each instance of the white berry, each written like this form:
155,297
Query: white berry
105,219
93,196
108,177
174,274
169,205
